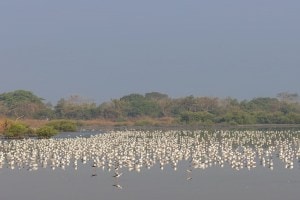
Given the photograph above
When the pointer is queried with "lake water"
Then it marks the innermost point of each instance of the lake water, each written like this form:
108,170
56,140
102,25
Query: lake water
153,165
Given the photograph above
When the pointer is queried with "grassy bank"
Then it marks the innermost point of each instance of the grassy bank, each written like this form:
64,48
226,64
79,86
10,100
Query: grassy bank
31,127
47,128
35,128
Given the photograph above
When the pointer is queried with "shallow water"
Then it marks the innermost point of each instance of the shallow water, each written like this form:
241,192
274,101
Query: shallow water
198,175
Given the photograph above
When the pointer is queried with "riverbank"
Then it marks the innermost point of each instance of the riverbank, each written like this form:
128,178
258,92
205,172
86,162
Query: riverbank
139,123
146,122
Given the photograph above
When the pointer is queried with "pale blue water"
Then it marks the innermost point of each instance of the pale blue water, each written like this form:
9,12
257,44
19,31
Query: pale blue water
212,183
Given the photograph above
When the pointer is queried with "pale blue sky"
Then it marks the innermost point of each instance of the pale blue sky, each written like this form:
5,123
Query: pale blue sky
104,49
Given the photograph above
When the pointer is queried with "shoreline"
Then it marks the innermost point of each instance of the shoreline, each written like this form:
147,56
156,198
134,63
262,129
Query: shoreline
145,124
190,127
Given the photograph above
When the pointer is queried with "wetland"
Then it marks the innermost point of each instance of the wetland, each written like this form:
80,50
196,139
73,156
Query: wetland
153,164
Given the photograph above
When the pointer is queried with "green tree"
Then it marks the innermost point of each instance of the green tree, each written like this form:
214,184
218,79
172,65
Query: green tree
75,107
111,110
265,104
21,103
136,105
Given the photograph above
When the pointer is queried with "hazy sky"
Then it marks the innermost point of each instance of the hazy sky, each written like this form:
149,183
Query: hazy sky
104,49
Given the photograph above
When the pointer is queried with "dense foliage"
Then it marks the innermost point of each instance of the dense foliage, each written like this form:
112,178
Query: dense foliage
20,103
63,125
46,132
14,129
284,109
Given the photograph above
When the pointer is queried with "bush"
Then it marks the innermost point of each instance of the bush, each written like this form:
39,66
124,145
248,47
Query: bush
46,132
16,130
63,125
196,117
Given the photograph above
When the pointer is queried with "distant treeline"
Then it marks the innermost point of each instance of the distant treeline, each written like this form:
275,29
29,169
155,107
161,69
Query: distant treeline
284,109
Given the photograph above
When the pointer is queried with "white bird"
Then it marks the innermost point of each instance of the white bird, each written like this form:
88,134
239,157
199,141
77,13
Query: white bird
116,175
118,186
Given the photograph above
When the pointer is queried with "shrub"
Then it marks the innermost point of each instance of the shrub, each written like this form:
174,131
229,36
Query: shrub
196,117
63,125
16,130
46,132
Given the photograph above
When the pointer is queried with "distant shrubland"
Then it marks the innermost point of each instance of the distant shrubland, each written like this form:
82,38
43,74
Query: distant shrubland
21,129
150,109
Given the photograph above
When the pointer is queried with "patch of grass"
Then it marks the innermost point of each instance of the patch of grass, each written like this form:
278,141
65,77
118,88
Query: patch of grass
143,123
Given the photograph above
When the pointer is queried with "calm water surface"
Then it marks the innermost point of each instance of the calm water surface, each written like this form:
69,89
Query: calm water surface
153,165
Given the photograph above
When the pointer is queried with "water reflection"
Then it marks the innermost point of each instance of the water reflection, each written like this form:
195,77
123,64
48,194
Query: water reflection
135,150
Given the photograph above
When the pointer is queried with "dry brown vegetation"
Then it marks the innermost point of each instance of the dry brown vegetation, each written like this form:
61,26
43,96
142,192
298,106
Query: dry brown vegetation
2,125
34,123
96,123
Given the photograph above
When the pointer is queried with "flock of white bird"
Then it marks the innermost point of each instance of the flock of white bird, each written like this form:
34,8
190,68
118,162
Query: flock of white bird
135,150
